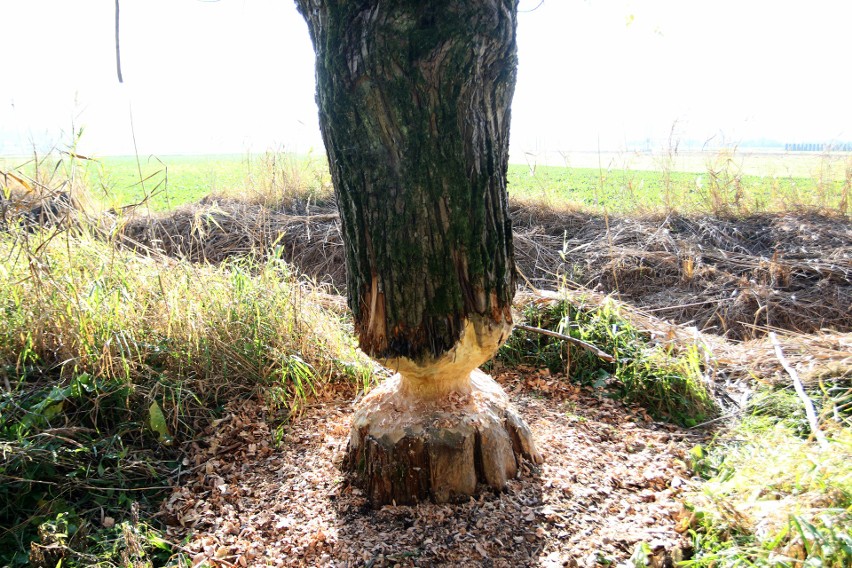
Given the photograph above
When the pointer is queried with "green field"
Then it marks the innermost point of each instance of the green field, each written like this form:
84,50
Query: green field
718,183
161,183
172,180
719,189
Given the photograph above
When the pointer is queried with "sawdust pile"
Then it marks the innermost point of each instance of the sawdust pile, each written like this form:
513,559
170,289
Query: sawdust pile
611,479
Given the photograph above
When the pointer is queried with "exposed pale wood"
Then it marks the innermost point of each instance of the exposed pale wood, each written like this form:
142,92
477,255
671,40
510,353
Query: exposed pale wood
434,377
404,449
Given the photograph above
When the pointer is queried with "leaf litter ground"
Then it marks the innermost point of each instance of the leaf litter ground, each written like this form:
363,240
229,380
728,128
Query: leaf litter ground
610,481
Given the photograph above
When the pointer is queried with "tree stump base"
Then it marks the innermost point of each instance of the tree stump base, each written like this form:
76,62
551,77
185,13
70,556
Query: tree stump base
404,449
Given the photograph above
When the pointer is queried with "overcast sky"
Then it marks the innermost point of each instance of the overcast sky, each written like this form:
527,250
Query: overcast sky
237,75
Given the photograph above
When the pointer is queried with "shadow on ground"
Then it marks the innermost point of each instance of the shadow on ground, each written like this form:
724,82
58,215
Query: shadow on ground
610,481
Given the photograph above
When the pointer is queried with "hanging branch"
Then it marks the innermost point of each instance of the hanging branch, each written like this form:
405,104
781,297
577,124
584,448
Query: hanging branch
578,342
117,48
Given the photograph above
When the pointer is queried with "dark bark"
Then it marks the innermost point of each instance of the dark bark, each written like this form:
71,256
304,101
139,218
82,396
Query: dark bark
414,110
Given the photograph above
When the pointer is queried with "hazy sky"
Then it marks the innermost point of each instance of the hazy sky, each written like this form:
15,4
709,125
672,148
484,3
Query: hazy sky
237,75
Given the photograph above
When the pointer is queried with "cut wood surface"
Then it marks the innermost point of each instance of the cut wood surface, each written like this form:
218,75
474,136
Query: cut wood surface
405,449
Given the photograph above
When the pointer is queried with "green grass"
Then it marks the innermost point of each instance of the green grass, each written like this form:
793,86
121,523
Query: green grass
669,385
162,183
719,189
110,360
175,180
722,186
772,495
171,180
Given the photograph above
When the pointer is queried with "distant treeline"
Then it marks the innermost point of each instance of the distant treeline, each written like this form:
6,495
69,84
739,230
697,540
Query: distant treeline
752,144
819,147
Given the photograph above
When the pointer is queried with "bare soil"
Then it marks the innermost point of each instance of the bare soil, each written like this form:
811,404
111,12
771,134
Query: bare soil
610,480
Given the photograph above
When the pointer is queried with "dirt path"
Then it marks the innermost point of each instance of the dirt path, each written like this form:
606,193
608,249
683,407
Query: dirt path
611,479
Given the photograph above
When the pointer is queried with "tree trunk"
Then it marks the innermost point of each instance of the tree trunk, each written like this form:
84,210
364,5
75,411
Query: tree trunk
414,110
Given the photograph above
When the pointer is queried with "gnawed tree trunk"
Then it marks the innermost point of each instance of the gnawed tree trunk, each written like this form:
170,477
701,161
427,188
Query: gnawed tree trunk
414,110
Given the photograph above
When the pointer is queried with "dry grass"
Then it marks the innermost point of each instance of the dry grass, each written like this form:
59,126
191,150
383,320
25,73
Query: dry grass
218,229
680,277
52,194
733,276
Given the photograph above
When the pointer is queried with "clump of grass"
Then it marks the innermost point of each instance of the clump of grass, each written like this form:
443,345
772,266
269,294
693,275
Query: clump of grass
110,360
47,188
724,193
76,305
772,496
669,385
278,179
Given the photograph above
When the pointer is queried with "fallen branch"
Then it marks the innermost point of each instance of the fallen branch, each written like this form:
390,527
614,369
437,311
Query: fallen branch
578,342
800,390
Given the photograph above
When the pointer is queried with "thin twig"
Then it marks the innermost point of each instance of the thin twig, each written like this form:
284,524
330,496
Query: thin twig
573,340
800,390
117,48
527,280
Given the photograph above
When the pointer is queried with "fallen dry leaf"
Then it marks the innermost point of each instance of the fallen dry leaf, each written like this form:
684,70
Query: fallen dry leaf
607,483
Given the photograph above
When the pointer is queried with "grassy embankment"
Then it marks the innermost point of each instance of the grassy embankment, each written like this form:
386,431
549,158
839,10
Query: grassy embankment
111,361
771,493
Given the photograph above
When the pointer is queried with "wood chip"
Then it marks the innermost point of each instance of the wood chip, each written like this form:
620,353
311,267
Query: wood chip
594,497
